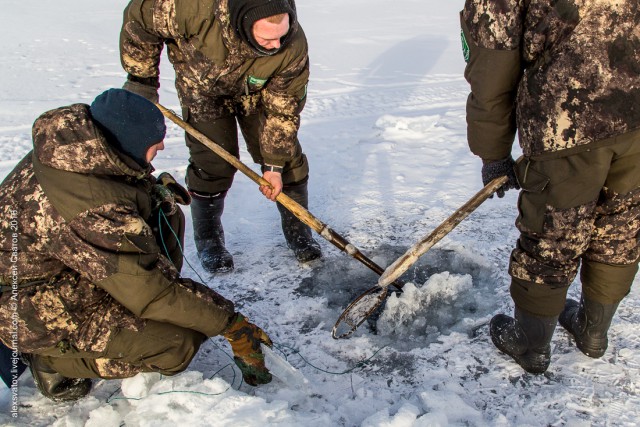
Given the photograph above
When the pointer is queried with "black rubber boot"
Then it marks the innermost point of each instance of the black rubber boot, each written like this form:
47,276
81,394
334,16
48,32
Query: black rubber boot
206,211
54,385
526,339
588,321
296,233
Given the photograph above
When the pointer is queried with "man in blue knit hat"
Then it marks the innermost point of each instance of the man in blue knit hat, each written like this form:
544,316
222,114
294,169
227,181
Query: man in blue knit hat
131,124
93,276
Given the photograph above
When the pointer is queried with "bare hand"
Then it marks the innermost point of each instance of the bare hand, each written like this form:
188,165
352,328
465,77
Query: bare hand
275,179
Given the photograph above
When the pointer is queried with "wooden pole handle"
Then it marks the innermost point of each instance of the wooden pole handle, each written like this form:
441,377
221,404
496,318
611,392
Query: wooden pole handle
294,207
399,266
299,211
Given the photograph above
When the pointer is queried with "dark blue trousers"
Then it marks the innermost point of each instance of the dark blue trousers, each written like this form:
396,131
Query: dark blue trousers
7,367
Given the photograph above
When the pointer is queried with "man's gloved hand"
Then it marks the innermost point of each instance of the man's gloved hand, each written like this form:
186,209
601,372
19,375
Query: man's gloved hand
143,86
166,192
492,169
245,339
180,193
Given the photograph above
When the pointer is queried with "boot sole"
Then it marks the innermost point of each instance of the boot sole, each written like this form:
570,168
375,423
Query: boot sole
595,352
219,270
222,267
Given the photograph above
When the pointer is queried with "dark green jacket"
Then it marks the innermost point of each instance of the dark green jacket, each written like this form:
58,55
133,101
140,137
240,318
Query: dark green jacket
75,214
216,72
565,74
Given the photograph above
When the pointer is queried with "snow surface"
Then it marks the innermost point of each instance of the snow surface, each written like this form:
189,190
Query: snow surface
384,129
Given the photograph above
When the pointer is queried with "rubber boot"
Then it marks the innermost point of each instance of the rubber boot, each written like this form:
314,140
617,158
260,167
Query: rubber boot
52,384
206,211
526,338
588,321
296,233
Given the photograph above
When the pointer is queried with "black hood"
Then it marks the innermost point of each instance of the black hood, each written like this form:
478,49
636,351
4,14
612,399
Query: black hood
244,13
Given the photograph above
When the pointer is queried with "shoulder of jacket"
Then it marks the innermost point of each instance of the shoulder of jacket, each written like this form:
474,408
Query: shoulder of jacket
299,40
192,15
495,24
297,47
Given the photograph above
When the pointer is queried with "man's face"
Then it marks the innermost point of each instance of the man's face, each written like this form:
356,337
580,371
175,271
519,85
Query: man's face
153,150
268,34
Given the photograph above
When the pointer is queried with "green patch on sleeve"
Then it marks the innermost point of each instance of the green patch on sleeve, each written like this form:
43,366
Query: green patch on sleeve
465,46
256,82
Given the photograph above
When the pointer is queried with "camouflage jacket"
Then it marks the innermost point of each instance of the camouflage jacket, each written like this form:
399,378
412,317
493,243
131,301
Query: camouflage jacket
75,240
216,72
565,73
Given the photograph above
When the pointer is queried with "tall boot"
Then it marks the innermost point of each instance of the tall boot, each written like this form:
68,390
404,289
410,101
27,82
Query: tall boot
206,211
588,321
54,385
296,233
526,339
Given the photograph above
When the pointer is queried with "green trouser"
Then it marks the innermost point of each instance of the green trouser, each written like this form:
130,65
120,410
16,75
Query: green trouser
209,173
156,347
152,346
582,208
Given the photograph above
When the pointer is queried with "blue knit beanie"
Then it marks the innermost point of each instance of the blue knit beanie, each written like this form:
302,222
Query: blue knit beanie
130,122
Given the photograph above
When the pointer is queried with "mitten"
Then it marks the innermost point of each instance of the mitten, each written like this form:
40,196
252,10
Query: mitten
245,339
180,193
143,86
492,169
163,198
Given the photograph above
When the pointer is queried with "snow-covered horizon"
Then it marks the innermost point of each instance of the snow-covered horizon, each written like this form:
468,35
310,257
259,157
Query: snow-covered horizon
384,130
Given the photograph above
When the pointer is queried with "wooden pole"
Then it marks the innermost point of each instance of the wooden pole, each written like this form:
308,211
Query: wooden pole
397,268
294,207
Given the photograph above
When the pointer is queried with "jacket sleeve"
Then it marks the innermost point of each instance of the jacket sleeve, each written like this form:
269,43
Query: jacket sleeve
145,27
283,99
493,70
114,248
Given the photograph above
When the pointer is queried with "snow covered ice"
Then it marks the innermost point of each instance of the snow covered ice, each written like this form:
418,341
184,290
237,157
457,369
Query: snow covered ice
384,129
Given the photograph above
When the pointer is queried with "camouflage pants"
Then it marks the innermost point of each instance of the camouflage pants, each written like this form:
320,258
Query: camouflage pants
154,347
581,211
209,173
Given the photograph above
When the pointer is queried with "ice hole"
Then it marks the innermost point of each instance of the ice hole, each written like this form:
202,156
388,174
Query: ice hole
449,289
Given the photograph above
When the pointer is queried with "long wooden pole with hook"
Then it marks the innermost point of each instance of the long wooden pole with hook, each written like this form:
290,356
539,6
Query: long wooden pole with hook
294,207
370,300
398,267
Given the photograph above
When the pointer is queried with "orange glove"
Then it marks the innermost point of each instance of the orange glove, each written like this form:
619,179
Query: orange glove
245,339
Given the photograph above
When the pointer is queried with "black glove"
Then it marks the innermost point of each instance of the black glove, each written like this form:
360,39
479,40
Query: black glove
492,169
143,86
166,192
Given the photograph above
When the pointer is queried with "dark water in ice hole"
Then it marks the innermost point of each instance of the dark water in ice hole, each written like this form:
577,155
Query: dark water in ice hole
341,279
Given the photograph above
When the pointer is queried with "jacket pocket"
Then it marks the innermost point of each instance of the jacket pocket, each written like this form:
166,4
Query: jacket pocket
530,179
46,314
532,202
